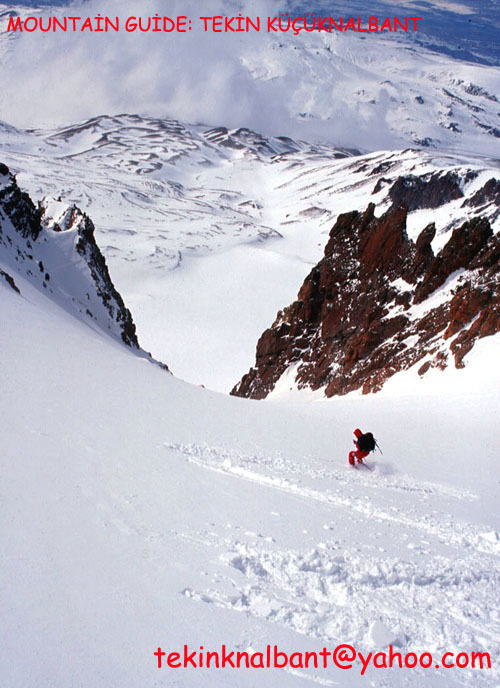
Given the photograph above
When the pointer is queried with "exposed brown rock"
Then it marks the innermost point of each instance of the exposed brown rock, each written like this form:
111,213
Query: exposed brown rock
425,368
423,253
352,326
465,244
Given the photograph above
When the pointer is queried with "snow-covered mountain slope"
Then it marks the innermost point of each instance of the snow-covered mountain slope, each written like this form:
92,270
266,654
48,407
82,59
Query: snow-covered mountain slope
244,215
139,512
54,247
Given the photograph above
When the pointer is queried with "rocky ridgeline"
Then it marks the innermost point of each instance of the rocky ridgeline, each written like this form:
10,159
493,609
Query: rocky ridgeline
435,189
378,303
54,247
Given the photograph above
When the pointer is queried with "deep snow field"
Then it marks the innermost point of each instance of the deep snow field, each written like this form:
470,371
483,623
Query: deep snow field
140,511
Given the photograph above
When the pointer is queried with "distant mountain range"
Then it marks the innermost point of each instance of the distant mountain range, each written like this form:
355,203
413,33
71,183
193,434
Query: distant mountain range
435,88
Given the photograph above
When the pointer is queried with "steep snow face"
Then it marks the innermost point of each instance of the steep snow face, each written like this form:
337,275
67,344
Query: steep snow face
177,206
142,512
358,90
54,247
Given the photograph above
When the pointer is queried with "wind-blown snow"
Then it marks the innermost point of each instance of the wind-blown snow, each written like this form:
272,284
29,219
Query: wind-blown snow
368,91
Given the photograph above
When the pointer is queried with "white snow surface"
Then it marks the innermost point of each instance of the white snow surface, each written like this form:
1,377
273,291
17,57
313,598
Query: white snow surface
208,233
139,511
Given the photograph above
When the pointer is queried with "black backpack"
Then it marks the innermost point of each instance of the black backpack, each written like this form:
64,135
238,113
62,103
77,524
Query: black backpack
366,442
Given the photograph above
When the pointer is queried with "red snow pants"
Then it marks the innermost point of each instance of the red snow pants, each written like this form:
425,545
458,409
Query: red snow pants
358,454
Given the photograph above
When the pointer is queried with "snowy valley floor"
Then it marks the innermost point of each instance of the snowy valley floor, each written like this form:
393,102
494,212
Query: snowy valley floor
139,511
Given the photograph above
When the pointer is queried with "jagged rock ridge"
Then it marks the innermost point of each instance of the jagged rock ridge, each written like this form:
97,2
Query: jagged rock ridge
427,191
55,248
379,303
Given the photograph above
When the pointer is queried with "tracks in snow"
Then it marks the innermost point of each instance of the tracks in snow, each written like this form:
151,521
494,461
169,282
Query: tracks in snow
340,488
441,596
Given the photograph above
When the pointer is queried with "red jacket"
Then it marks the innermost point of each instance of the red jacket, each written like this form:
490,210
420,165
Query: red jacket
359,453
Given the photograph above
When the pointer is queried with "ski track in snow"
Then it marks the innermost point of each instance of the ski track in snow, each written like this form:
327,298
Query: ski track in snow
444,598
342,494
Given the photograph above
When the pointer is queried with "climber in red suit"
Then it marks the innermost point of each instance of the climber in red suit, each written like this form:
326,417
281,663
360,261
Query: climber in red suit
358,454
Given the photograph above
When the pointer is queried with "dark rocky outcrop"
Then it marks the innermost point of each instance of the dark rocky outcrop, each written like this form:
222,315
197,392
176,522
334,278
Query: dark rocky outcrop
465,244
360,315
489,193
61,257
427,191
423,255
18,207
10,281
112,300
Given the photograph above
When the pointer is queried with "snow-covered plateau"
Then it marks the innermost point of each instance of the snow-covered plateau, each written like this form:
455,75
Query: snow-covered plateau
144,507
